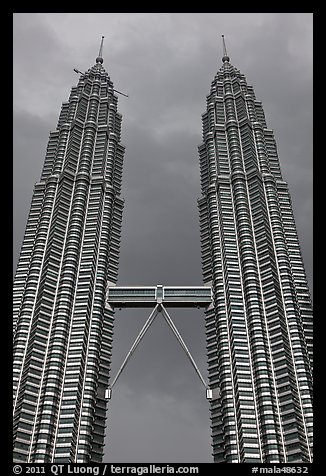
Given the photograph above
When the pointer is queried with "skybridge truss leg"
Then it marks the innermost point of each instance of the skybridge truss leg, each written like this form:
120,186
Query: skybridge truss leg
138,339
159,308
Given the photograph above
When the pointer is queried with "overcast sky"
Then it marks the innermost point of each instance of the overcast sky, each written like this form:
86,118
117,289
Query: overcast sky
165,62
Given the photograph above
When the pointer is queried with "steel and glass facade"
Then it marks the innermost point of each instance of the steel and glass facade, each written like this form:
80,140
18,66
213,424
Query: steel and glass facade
62,328
259,327
258,306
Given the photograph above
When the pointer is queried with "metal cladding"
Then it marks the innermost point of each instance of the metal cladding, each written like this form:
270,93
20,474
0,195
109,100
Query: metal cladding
62,329
259,328
256,296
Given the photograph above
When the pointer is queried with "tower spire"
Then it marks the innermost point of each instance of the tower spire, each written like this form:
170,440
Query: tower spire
225,55
99,59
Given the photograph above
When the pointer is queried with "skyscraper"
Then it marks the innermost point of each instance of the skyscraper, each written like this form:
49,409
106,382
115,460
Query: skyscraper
258,324
62,330
259,329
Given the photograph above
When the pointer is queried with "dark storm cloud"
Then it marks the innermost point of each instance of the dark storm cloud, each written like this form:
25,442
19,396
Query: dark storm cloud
162,186
162,439
166,63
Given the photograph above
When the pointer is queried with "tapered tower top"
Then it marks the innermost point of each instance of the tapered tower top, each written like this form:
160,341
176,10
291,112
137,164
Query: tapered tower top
225,55
99,59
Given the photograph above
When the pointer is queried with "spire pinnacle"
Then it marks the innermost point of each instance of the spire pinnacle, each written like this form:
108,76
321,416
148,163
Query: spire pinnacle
99,59
225,55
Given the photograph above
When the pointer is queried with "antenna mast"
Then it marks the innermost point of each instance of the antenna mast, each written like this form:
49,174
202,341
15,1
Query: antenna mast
225,55
99,59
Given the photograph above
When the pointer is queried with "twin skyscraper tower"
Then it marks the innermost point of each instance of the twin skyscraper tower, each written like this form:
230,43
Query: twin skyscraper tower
258,311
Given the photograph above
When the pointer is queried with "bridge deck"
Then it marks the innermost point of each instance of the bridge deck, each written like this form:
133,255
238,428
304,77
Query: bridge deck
149,296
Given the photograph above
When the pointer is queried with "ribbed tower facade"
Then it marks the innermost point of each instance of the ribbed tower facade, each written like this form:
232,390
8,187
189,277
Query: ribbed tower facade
259,328
62,329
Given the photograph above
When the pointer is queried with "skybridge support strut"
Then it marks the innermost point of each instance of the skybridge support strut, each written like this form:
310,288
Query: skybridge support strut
182,343
141,334
159,308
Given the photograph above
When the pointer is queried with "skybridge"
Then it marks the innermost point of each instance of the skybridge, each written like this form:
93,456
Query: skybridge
149,296
159,298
